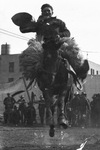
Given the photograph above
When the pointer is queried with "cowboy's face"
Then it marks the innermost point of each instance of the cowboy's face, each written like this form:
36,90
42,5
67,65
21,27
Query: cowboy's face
47,12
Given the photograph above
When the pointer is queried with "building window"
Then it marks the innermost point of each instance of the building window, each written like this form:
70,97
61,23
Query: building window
97,72
10,79
11,66
92,72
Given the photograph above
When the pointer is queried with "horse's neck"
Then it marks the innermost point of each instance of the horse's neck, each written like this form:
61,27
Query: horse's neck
50,56
51,66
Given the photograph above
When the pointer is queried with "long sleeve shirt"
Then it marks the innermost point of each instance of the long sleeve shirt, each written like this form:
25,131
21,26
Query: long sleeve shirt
51,26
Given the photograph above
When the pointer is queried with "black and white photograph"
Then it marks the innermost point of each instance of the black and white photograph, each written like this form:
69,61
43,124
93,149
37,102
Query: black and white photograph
49,75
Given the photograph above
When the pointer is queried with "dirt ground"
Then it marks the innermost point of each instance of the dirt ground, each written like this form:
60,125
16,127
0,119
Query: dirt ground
37,138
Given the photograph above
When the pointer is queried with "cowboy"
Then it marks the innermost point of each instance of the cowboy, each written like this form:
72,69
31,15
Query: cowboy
45,18
69,49
74,57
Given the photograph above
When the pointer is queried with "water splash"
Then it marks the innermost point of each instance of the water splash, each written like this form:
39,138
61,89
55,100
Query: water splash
85,141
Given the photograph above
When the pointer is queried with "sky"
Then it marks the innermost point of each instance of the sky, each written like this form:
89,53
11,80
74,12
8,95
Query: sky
82,18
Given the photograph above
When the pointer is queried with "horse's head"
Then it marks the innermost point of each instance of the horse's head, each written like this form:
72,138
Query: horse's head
51,43
51,49
51,36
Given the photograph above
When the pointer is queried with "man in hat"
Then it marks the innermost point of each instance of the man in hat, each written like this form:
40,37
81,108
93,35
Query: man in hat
46,26
9,102
45,18
73,55
41,108
22,109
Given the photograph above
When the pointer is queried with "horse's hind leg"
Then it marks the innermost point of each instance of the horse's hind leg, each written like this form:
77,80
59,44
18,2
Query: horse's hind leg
62,118
49,113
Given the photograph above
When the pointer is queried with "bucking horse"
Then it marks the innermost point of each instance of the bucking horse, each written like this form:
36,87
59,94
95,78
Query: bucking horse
43,64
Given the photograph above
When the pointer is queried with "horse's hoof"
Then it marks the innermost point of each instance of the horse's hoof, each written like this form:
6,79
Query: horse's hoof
63,122
52,131
64,125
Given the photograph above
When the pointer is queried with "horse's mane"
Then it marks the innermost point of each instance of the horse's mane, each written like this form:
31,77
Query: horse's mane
31,59
71,45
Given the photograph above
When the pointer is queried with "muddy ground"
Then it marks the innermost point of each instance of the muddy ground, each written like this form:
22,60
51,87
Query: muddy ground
37,138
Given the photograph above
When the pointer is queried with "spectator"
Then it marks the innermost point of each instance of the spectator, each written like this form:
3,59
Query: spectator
31,114
41,108
15,116
9,102
22,109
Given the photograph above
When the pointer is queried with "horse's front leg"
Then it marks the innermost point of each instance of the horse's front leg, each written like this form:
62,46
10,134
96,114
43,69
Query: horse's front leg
50,119
62,119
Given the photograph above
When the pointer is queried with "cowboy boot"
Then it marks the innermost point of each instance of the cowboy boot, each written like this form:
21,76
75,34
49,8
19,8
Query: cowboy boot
62,118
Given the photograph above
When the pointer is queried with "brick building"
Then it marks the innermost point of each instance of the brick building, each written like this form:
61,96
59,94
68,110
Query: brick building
9,65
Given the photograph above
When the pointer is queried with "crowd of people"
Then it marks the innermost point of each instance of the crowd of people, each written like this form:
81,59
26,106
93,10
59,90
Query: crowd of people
21,112
80,111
